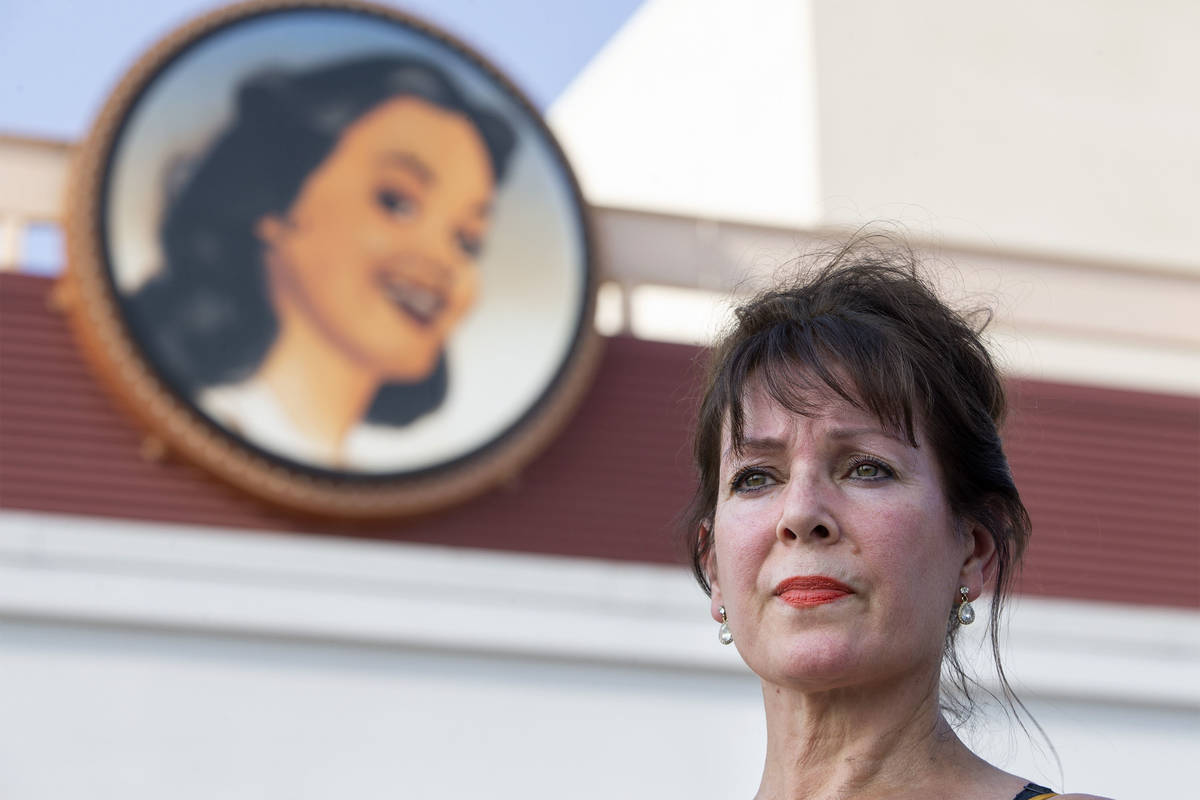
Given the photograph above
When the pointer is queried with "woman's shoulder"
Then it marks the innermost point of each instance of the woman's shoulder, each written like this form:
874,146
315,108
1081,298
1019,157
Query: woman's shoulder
1080,797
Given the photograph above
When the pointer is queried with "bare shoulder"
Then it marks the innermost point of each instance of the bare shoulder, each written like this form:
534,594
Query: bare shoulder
1081,797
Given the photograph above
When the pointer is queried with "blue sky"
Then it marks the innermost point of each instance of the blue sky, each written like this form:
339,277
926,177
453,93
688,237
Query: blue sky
61,57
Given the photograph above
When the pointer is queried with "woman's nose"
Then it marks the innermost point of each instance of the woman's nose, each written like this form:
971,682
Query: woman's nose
427,253
440,268
440,253
806,514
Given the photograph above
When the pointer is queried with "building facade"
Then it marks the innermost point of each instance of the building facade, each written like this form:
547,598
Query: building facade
163,633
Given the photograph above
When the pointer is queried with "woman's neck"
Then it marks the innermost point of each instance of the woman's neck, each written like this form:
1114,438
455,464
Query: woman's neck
323,391
888,741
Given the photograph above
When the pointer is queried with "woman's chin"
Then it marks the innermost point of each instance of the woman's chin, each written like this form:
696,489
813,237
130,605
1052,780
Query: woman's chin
409,366
809,663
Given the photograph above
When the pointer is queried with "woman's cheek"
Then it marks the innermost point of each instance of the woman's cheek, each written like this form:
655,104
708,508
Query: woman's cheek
466,291
745,549
375,241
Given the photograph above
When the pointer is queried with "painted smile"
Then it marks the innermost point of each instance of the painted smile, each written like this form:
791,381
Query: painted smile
805,591
419,303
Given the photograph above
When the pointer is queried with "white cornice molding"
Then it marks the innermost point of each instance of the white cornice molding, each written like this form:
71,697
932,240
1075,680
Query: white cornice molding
92,571
210,580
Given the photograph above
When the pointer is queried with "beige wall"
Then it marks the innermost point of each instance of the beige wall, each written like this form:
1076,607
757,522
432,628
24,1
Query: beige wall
1042,154
1067,128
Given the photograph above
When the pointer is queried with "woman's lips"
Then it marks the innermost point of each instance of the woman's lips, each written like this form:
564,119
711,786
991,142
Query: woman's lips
804,591
419,303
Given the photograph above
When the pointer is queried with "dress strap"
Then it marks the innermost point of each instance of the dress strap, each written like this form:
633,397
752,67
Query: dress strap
1034,792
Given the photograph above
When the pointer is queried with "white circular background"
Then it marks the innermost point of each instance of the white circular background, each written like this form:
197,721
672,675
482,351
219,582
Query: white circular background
533,268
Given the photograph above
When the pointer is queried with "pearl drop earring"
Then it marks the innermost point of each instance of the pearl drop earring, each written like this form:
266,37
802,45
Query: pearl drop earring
724,635
965,613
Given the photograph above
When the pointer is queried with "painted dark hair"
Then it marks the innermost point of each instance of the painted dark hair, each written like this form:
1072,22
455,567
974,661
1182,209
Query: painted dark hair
207,317
864,326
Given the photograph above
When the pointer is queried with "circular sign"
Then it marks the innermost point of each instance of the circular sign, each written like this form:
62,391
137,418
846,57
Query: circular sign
334,256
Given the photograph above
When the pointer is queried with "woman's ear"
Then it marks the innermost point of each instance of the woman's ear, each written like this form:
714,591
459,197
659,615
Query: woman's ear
710,572
717,601
979,565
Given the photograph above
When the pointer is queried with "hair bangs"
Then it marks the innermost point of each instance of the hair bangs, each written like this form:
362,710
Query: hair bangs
805,367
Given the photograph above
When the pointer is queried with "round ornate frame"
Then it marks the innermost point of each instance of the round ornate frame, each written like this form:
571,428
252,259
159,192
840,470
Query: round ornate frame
96,317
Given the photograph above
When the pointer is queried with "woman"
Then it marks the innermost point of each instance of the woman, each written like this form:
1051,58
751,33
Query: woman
853,500
323,250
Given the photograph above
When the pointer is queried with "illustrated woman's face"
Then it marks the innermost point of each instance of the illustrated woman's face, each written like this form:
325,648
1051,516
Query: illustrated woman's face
378,250
835,553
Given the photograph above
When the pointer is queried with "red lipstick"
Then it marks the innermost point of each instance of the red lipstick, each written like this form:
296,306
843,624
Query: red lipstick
804,591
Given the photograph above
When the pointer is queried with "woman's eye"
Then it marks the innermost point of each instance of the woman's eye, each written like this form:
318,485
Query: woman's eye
469,244
396,203
750,480
869,470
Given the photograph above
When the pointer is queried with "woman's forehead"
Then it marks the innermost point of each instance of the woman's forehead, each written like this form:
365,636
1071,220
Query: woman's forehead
799,391
764,414
808,404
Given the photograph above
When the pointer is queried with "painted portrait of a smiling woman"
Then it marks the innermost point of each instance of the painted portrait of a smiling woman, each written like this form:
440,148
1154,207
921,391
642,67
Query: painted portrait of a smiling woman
322,252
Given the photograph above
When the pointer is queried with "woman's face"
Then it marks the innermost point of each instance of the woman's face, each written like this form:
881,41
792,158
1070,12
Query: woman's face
378,250
835,553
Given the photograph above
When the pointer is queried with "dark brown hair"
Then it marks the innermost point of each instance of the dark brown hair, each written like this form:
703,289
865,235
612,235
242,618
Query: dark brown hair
865,326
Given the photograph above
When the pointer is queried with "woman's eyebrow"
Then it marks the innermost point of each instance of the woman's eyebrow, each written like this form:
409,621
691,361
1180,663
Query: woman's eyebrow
866,430
410,162
764,445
